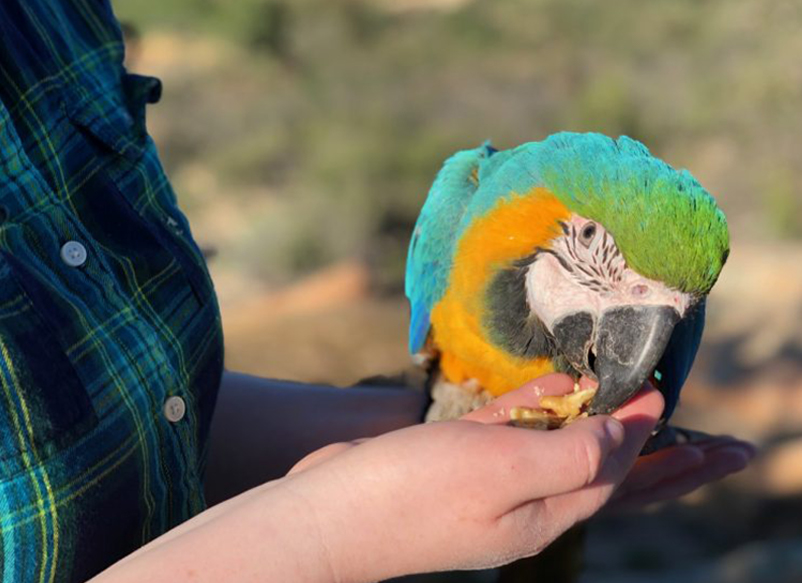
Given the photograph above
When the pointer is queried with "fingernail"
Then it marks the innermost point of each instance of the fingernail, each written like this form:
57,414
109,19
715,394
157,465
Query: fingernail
749,448
615,430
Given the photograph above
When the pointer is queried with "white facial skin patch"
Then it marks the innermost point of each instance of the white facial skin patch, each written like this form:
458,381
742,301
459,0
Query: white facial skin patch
583,271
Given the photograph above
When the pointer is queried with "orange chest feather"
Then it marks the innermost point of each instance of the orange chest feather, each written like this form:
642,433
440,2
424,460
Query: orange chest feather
510,231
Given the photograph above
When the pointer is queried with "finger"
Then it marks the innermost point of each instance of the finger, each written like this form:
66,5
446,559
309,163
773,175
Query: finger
321,455
549,463
718,465
707,441
647,402
546,463
528,395
716,443
659,467
639,417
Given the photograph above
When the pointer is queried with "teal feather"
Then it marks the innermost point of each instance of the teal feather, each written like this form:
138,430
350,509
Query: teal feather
435,236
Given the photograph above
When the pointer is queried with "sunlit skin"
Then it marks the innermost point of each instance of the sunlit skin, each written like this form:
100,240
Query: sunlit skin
517,491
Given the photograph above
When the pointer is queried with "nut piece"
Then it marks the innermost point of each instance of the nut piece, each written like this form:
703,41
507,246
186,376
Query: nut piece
568,406
554,411
531,418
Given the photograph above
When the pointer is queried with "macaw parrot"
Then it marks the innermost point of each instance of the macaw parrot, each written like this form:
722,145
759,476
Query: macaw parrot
578,254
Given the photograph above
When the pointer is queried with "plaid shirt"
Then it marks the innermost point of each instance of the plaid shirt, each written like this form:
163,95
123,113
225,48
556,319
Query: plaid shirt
110,339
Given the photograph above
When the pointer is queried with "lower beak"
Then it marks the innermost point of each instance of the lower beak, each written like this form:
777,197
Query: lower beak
629,342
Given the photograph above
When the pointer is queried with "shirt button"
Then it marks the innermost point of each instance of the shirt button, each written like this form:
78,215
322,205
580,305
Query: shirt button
174,225
73,254
174,409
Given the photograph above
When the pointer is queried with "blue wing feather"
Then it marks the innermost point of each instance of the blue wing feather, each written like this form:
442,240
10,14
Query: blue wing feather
435,236
418,327
677,360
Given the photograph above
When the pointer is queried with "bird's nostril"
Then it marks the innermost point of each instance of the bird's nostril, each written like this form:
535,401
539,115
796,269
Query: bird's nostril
640,290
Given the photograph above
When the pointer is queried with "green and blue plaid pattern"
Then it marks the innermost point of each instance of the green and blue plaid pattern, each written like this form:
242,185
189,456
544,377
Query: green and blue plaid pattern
106,307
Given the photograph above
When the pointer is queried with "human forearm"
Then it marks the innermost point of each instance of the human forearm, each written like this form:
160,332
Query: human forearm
428,497
263,426
266,534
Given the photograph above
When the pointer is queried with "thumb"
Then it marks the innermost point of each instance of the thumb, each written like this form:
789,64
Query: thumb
569,458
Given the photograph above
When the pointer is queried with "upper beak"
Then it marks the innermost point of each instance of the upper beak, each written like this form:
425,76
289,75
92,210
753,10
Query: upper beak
627,342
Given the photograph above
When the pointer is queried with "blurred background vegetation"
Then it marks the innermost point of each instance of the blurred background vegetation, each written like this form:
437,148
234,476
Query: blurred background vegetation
302,135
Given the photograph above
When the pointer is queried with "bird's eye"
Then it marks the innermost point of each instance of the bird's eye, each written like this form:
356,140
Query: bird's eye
587,234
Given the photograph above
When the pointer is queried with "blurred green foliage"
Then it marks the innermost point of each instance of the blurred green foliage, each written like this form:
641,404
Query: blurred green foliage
343,110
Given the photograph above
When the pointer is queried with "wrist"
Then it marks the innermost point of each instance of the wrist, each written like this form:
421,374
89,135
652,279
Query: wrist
299,548
353,541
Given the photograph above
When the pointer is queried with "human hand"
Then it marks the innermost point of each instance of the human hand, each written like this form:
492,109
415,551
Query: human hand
678,470
451,495
466,494
663,475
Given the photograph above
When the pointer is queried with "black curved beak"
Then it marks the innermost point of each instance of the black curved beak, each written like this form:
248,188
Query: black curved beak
621,350
630,341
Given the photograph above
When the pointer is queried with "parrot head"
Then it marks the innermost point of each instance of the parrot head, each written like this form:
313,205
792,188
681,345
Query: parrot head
580,251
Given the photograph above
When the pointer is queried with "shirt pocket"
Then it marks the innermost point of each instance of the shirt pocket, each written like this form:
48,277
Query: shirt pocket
129,190
44,407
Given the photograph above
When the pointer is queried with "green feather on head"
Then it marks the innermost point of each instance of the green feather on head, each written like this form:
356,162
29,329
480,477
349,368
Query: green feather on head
667,226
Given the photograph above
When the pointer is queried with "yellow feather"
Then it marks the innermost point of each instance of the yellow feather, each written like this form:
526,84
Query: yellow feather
512,230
